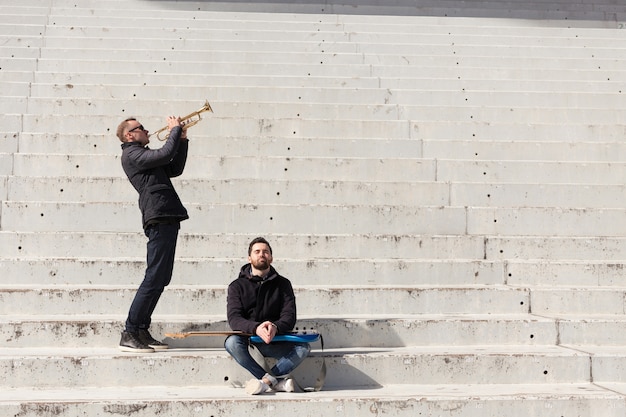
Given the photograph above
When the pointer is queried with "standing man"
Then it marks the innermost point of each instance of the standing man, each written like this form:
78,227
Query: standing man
149,171
262,302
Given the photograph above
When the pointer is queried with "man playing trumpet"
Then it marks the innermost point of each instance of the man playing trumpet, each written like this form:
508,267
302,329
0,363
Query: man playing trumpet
149,172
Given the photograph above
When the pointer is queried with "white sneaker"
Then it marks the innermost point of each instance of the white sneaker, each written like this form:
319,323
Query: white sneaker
284,385
256,386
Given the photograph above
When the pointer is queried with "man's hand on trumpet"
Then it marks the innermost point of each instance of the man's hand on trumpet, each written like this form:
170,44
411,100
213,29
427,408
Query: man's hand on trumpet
173,121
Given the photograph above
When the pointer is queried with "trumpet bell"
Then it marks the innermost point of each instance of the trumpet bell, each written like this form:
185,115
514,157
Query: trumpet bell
191,119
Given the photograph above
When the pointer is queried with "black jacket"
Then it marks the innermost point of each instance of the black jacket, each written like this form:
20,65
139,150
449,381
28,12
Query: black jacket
150,170
251,301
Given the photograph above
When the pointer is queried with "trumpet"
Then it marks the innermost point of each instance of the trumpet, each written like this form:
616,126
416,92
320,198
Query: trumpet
187,121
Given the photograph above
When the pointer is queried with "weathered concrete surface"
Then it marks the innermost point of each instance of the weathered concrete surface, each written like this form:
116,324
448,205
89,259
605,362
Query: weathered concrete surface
446,192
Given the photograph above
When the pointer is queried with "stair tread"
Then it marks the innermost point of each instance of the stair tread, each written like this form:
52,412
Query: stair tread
391,392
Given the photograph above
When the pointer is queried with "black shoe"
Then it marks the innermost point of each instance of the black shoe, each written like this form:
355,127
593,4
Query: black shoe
131,342
147,339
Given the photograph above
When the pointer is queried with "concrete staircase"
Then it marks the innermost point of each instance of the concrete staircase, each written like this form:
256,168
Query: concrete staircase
442,181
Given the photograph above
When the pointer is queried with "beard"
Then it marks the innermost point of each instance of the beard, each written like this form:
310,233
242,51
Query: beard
261,264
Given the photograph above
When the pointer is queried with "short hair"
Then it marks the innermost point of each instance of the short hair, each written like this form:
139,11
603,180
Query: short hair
258,240
122,126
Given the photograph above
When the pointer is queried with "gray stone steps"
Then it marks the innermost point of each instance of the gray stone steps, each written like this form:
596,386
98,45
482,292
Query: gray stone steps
470,400
342,52
338,332
322,219
478,132
426,77
75,189
570,14
58,244
189,271
477,273
428,113
346,367
368,68
104,126
401,96
341,168
363,299
251,37
353,331
32,299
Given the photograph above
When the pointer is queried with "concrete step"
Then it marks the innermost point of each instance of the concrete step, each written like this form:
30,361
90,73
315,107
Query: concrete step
58,244
365,299
240,127
338,332
234,191
341,51
425,78
18,102
336,168
80,269
231,146
561,273
469,400
346,367
253,36
369,68
104,127
401,11
189,271
556,247
440,78
248,167
282,218
488,130
528,151
415,97
554,147
322,219
580,14
72,189
300,24
32,299
423,145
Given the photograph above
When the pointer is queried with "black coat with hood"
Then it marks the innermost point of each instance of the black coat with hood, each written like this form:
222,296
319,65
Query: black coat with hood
150,170
252,300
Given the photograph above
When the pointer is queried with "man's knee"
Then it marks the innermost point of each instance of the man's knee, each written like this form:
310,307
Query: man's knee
303,350
234,344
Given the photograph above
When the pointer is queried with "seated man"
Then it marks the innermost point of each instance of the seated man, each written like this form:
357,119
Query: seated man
262,302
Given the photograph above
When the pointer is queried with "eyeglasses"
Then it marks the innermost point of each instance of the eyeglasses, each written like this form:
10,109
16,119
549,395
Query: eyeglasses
140,127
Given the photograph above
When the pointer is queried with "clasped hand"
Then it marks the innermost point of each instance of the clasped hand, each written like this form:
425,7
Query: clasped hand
266,331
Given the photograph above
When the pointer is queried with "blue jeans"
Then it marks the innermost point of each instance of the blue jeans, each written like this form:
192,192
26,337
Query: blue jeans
288,355
161,249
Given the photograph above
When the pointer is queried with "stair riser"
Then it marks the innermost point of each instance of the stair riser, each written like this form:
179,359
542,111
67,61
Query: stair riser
400,193
307,405
357,370
195,272
241,218
191,244
335,301
336,333
323,219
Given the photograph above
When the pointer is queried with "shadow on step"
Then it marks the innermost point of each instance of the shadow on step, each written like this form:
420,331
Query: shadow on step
600,10
348,339
336,333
